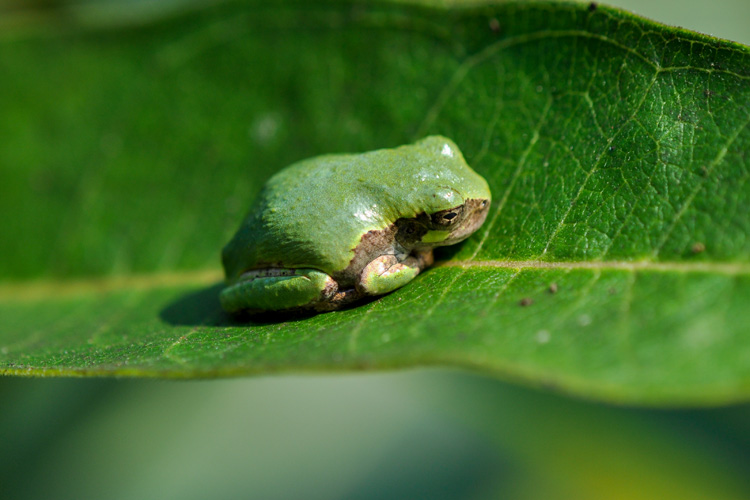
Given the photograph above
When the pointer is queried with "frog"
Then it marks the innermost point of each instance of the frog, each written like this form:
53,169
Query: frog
329,231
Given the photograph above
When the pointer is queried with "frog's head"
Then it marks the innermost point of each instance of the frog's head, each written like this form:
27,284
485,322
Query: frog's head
455,200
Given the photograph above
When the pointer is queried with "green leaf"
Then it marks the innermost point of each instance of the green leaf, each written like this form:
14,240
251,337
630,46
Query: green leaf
615,263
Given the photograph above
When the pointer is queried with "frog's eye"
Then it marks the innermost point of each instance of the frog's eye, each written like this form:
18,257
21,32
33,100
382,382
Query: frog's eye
447,217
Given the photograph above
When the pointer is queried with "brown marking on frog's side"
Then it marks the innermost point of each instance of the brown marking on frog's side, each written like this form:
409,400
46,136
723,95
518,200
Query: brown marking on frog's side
371,245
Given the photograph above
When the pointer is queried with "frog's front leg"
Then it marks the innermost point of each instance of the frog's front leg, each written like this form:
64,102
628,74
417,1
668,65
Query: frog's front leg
386,273
278,289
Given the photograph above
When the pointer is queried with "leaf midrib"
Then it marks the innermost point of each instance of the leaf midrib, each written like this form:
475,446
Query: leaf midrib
732,268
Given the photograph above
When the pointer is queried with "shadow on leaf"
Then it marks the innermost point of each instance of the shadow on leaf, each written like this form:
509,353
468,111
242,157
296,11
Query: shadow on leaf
202,308
447,253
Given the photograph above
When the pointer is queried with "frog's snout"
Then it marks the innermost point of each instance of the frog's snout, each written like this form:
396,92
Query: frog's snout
482,210
478,215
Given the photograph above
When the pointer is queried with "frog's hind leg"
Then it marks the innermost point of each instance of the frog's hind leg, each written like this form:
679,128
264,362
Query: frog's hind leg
279,289
387,273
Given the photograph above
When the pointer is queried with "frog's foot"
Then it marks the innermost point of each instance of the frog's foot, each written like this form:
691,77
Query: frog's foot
338,300
279,289
387,272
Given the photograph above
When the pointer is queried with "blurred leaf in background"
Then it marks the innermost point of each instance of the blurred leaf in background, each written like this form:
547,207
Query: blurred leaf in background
413,435
116,104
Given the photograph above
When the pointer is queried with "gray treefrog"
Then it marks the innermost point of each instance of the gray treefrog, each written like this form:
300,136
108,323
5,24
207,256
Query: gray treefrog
330,230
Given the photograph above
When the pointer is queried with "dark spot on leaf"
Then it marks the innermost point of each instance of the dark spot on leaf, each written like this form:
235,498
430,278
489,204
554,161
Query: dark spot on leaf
552,288
612,291
593,6
709,93
612,148
698,247
526,301
495,25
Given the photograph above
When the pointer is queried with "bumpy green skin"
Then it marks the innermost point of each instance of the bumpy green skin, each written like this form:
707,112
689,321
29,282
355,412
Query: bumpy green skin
313,214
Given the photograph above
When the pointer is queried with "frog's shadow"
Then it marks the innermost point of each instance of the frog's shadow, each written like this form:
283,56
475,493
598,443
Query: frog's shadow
447,253
202,308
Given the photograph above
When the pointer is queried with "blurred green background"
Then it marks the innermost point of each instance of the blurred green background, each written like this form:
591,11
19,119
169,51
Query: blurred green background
417,434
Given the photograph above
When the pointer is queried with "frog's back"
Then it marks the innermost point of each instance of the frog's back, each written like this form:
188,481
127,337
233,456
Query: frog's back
313,214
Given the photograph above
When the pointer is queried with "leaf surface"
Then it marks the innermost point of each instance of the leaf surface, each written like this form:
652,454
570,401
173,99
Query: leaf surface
614,264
